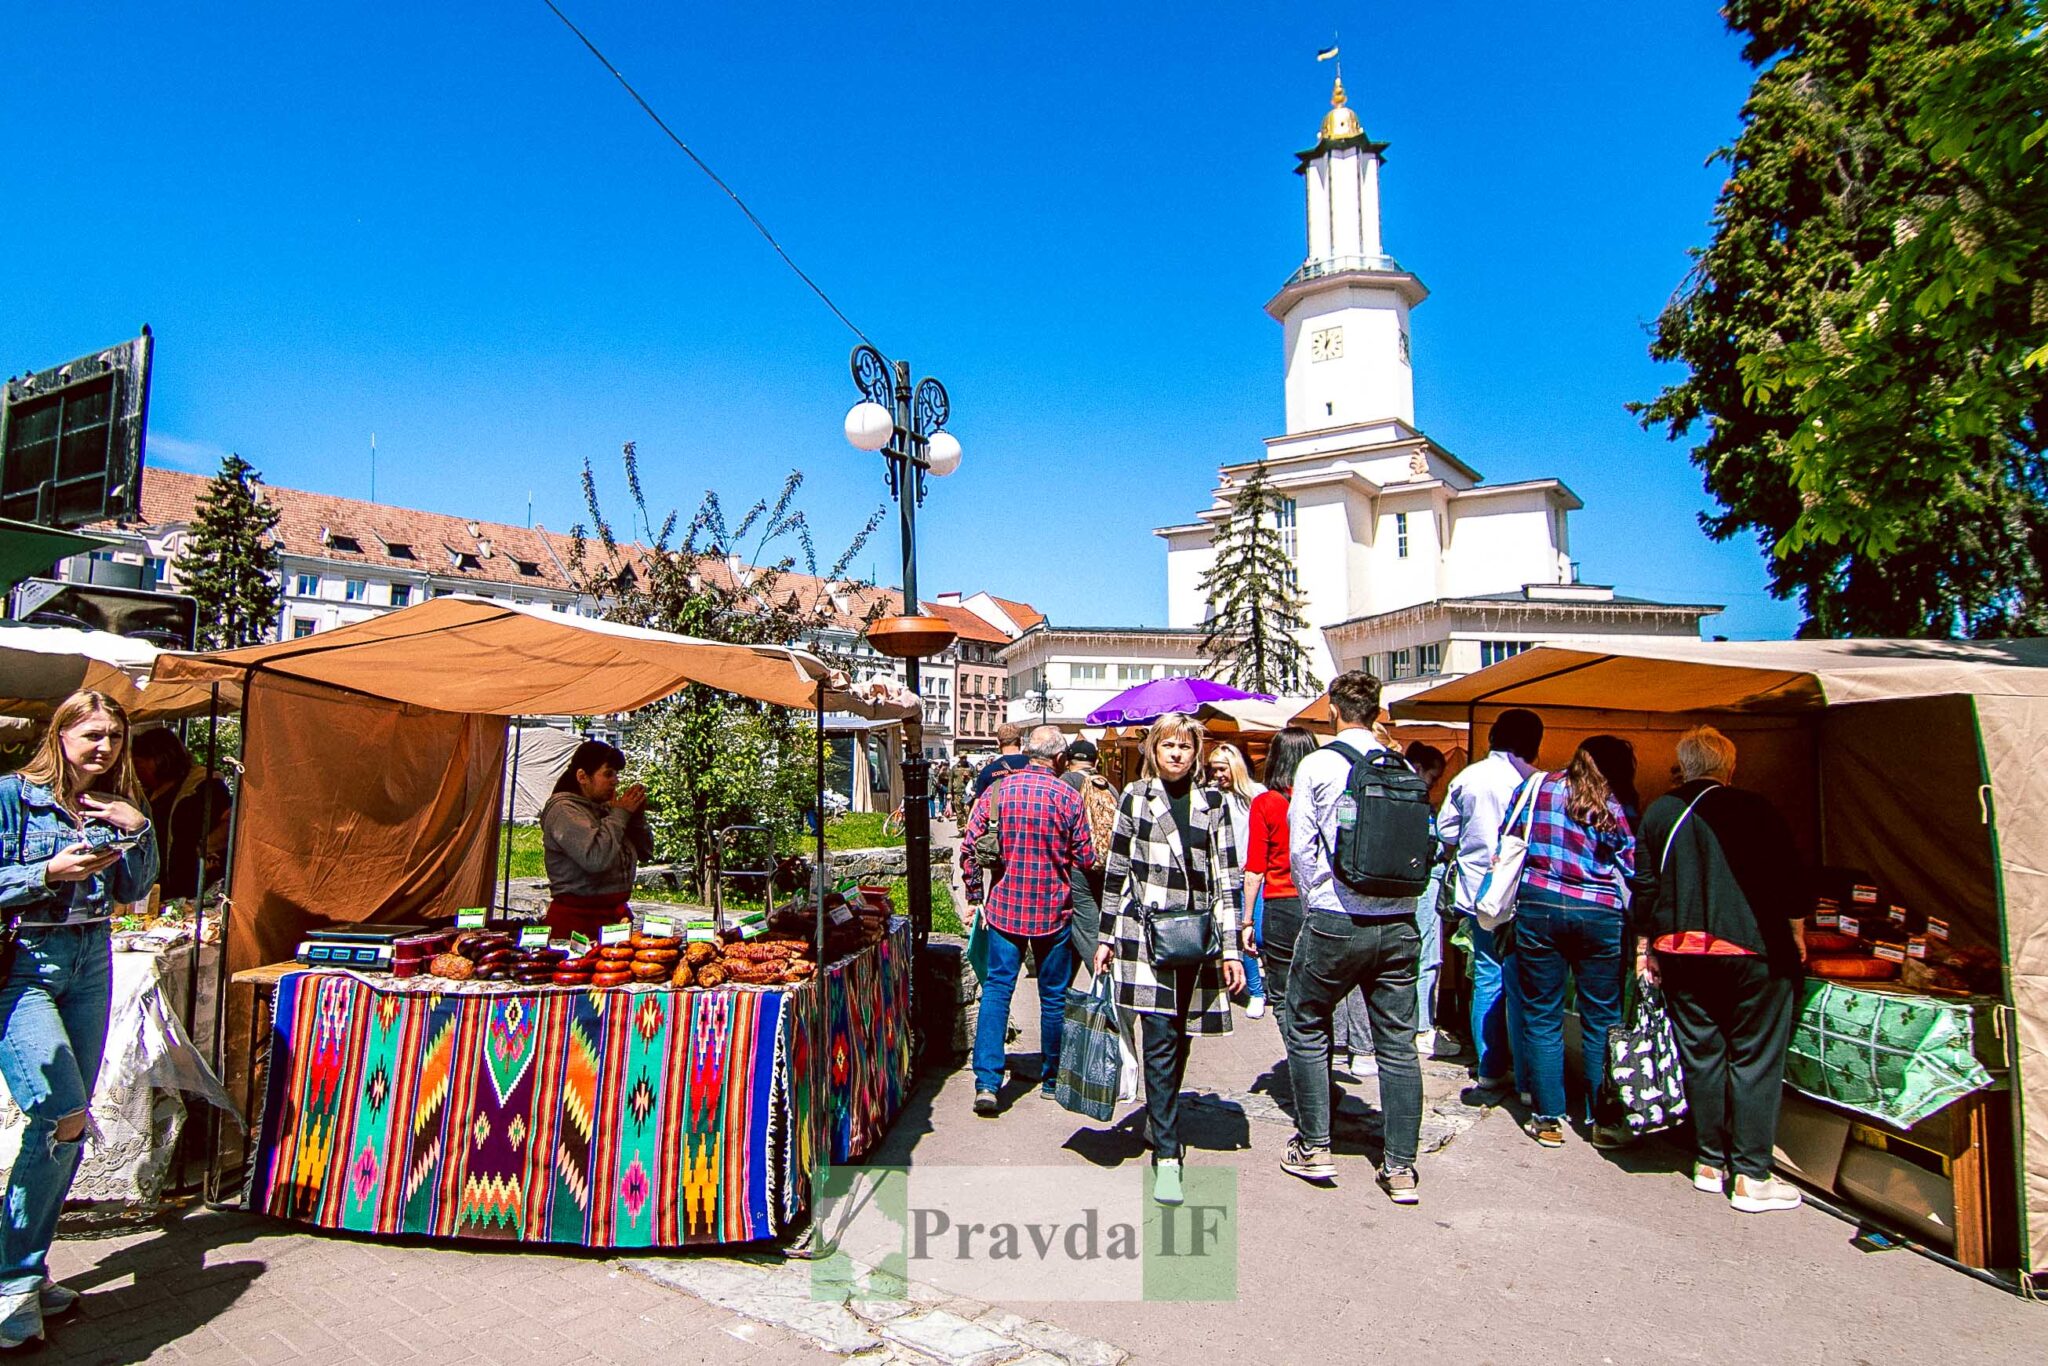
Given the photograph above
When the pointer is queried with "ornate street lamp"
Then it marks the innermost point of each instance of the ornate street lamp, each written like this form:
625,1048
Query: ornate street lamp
906,424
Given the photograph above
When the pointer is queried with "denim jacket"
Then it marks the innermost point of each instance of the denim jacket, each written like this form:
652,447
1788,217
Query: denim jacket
33,829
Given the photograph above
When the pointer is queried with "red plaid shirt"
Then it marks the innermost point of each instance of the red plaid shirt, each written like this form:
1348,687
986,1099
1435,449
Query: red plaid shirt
1045,834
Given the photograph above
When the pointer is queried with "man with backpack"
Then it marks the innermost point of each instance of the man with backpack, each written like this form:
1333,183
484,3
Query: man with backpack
1359,841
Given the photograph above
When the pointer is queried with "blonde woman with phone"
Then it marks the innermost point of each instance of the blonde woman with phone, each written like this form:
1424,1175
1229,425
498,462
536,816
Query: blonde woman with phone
74,844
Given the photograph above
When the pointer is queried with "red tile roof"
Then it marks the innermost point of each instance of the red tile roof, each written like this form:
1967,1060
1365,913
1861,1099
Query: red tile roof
1023,613
969,625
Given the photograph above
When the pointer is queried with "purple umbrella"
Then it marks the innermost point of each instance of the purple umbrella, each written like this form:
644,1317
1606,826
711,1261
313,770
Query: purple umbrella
1149,701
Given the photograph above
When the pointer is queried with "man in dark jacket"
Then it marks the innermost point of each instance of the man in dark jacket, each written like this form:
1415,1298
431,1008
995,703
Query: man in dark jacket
1721,896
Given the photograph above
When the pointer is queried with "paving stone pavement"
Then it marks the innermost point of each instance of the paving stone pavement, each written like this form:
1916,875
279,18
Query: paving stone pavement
1516,1253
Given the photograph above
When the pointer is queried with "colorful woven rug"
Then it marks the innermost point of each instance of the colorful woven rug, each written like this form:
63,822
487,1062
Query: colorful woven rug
600,1118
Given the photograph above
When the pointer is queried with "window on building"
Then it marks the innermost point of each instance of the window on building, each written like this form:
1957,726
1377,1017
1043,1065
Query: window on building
336,541
301,628
1134,673
1285,515
355,590
307,586
1429,660
1402,664
154,568
1089,673
529,568
401,595
1494,651
1405,360
1401,535
398,550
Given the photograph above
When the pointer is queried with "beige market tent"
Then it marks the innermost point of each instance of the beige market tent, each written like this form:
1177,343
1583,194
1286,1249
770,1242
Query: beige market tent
374,754
1917,760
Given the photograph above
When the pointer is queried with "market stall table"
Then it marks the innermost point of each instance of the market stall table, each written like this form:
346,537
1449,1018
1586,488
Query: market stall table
150,1065
631,1116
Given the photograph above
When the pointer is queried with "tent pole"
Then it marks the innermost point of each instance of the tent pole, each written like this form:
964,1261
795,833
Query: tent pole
824,867
511,802
211,1190
205,830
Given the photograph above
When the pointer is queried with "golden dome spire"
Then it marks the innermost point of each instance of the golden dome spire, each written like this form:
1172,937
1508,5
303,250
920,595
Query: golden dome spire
1340,123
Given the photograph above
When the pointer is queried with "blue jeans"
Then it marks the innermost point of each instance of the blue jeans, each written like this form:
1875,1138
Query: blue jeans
1254,973
1556,935
53,1030
1497,1011
1430,926
1006,951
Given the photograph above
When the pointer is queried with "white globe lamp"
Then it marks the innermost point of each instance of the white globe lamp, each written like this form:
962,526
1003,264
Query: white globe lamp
942,453
869,426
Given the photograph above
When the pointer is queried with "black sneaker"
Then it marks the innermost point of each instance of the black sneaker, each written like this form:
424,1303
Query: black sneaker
1310,1164
985,1103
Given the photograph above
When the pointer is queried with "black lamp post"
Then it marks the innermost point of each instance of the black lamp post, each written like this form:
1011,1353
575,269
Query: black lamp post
906,424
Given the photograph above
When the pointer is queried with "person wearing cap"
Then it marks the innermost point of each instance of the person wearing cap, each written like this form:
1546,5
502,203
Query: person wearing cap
1077,770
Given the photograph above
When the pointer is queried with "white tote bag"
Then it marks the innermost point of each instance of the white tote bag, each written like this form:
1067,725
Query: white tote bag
1495,904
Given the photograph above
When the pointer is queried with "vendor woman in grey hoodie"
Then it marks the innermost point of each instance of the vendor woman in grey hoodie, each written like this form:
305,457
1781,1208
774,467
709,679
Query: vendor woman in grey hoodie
592,837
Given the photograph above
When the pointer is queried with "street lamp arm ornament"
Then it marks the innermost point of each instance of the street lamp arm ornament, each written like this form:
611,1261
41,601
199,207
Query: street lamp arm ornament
906,423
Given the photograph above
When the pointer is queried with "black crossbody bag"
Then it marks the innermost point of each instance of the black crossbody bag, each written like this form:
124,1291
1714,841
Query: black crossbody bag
1179,939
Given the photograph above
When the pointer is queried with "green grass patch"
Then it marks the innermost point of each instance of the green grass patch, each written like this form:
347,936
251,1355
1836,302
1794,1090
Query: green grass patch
860,830
526,855
945,919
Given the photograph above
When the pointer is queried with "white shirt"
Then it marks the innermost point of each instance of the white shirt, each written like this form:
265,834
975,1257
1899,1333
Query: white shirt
1312,832
1473,810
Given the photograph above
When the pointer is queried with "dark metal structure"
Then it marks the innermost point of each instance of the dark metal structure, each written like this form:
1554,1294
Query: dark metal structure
71,438
919,411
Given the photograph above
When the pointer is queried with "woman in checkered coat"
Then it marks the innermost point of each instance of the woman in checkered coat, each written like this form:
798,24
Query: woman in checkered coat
1173,850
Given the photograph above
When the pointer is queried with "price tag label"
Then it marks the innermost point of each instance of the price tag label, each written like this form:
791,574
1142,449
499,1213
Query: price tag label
1848,924
1916,947
579,943
621,933
471,919
701,934
1865,896
840,915
1891,953
1897,915
1827,920
1937,928
533,936
754,931
658,927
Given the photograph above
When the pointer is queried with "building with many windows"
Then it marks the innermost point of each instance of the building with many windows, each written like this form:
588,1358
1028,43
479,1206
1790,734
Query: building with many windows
1405,557
1060,674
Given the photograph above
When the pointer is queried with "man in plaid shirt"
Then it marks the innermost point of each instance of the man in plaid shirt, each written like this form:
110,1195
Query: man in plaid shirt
1044,834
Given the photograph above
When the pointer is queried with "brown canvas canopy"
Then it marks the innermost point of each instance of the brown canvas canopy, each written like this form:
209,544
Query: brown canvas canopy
1915,760
484,658
374,755
40,666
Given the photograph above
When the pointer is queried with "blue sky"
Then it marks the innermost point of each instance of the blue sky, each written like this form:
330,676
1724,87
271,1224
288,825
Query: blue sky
445,224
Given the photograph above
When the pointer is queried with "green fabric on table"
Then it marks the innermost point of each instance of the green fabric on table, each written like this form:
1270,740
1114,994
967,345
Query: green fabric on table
1890,1055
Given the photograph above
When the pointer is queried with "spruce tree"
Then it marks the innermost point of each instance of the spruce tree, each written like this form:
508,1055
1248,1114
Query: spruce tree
1253,634
230,564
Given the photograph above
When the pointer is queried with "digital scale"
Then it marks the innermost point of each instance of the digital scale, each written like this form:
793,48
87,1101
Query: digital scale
367,947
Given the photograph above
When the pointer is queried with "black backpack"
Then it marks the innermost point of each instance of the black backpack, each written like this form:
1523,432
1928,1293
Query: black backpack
1384,846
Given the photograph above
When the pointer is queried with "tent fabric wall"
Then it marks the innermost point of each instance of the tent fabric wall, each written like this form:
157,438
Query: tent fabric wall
2014,732
357,809
542,753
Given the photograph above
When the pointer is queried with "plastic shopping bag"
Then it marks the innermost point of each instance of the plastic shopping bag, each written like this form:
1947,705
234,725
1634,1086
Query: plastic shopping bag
1091,1051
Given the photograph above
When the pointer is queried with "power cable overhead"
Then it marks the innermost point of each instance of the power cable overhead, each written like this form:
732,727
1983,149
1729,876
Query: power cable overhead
705,167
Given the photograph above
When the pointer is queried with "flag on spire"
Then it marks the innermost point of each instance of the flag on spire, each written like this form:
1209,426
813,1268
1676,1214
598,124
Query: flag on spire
1327,53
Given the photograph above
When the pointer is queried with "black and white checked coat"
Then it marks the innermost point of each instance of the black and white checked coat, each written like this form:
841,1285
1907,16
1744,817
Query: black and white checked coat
1148,867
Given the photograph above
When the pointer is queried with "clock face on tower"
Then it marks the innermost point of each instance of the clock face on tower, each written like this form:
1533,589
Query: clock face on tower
1327,344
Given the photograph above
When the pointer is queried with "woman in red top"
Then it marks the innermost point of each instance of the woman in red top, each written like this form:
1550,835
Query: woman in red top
1266,868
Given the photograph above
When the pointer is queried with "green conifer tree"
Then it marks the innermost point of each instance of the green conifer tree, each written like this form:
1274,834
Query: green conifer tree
1253,634
230,565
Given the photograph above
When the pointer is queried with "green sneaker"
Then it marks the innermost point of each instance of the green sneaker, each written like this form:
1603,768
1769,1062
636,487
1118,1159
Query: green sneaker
1166,1181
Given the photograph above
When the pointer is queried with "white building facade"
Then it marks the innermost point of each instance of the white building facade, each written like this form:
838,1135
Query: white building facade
1378,518
1058,675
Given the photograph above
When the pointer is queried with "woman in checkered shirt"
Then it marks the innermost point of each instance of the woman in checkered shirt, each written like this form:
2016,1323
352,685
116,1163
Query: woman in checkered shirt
1571,918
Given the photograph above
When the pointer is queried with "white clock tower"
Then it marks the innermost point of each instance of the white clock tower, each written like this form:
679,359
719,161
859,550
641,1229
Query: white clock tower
1345,311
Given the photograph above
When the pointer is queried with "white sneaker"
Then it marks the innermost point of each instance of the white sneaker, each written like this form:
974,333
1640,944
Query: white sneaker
1364,1065
21,1318
1754,1196
1425,1043
1256,1008
56,1299
1711,1180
